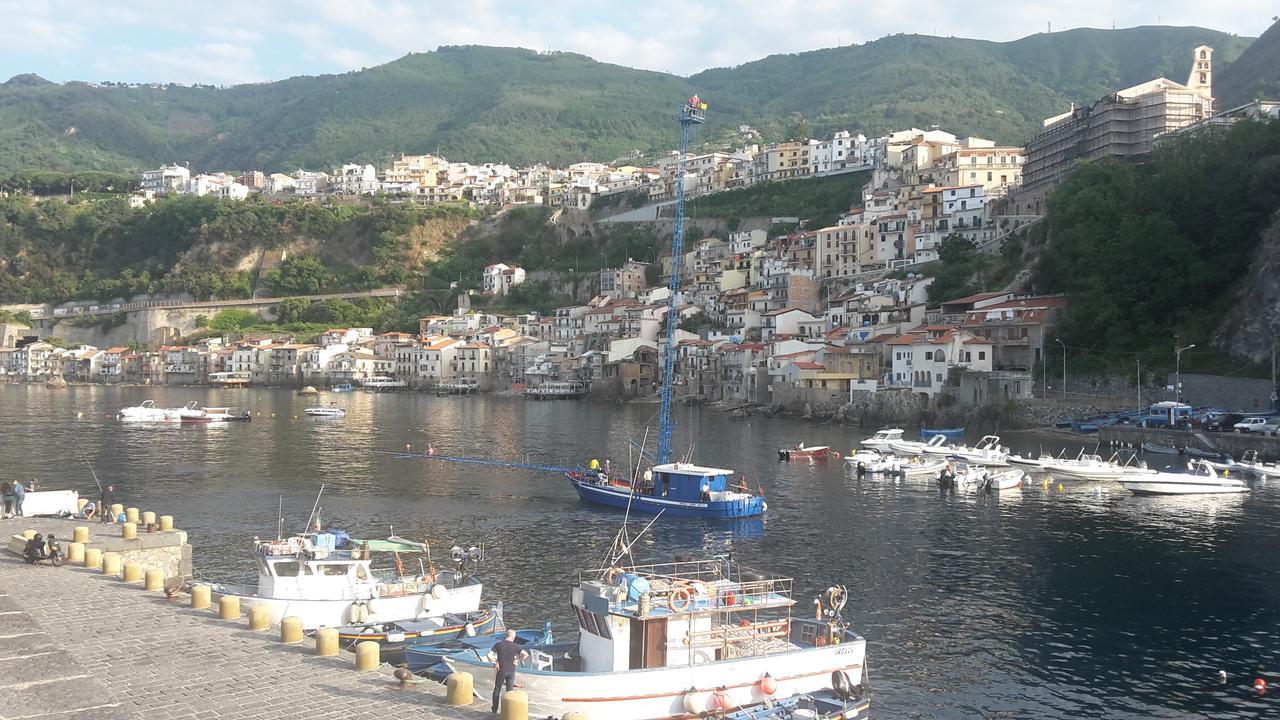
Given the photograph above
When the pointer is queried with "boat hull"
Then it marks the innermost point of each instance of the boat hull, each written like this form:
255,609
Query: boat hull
1085,473
338,612
392,645
661,693
622,497
1156,486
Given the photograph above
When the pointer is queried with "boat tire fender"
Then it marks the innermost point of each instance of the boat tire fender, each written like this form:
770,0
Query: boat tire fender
841,685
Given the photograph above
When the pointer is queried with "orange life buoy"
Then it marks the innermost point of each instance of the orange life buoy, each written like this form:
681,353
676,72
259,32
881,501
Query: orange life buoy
679,600
727,598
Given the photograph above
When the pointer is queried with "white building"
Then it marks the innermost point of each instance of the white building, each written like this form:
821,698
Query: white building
166,179
499,278
354,179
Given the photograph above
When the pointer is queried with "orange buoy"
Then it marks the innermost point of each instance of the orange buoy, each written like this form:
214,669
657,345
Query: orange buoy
679,600
768,685
720,699
1260,685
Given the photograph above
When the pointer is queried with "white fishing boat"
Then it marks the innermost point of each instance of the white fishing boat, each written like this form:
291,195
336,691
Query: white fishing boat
148,412
1200,478
330,411
682,640
309,577
1084,467
909,448
881,440
986,452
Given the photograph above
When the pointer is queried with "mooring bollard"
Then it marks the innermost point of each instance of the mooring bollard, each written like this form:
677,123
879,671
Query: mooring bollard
458,688
515,705
93,558
327,641
131,515
259,617
154,581
129,531
148,517
575,715
368,656
80,534
80,503
228,607
75,553
132,572
201,597
166,522
291,630
115,511
111,563
28,534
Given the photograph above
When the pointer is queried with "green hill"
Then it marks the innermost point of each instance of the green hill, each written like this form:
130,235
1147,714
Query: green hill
520,106
1255,74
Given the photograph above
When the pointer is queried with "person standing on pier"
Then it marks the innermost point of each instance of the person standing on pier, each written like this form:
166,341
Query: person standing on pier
6,490
106,501
508,653
19,492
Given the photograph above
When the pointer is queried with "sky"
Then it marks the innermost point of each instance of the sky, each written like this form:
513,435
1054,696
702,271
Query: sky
236,41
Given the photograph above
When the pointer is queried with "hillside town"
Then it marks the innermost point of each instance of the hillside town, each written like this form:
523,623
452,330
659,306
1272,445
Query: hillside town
792,318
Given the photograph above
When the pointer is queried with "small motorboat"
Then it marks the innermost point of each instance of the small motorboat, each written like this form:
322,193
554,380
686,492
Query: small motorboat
198,415
938,445
1200,478
1252,465
394,636
1203,454
1031,464
882,438
923,467
331,411
1158,449
986,452
344,387
1084,467
1004,479
949,433
872,461
427,657
810,452
842,701
148,412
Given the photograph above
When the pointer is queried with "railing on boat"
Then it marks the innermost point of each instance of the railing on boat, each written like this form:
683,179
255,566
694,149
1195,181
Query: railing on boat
700,586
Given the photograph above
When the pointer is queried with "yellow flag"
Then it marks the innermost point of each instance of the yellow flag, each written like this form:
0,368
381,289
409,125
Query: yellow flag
702,106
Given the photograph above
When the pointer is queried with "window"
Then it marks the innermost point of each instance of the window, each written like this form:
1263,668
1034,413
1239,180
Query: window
982,355
988,177
928,355
332,569
287,569
938,376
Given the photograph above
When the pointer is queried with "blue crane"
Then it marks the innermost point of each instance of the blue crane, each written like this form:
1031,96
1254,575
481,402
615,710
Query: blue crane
690,116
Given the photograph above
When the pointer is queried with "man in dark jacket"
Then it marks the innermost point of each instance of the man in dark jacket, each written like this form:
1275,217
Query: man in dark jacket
107,500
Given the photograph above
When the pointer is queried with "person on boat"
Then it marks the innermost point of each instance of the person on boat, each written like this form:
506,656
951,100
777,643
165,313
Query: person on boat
507,654
594,466
6,490
706,493
107,500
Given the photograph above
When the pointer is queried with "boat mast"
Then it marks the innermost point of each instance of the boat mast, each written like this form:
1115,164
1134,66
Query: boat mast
690,115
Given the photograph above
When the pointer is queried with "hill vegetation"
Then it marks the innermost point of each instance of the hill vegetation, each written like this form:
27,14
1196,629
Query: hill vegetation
818,202
519,106
1255,74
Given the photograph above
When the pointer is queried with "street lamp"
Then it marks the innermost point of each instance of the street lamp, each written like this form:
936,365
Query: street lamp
1064,367
1177,371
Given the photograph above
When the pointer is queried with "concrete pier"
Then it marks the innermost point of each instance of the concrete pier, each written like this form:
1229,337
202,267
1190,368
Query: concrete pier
1236,444
77,644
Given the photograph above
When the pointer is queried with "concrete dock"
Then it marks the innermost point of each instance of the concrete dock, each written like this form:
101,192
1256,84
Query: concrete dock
75,643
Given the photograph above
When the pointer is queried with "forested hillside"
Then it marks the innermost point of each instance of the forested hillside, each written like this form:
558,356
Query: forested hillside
519,106
1255,75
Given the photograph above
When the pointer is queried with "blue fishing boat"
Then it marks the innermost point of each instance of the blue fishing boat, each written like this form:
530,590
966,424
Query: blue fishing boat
426,658
344,387
393,637
674,488
948,433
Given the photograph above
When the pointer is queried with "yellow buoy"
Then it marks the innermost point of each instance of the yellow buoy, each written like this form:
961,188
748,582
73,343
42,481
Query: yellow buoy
291,629
80,534
201,597
75,553
326,641
458,688
259,617
515,705
228,607
154,581
368,655
132,572
93,558
1059,487
166,522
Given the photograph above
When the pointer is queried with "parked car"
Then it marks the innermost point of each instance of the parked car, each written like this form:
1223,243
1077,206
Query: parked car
1273,425
1222,422
1250,424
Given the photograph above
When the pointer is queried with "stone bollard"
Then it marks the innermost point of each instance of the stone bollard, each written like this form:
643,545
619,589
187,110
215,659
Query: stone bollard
259,617
228,607
148,517
131,515
93,558
154,581
80,503
75,553
459,686
515,705
327,641
575,715
291,630
80,534
201,597
115,512
111,564
368,656
28,534
166,522
129,531
132,572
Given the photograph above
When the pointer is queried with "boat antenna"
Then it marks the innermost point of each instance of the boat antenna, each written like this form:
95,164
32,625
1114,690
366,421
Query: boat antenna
280,518
314,509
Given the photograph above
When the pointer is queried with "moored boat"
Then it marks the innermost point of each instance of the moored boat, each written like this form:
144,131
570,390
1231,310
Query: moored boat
148,412
331,410
1148,447
675,489
394,636
194,414
882,438
427,658
1251,464
806,452
950,434
986,452
683,639
1031,464
1006,479
1200,478
1084,467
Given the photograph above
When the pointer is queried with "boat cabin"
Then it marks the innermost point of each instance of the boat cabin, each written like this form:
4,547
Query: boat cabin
1167,414
692,483
884,436
311,567
684,613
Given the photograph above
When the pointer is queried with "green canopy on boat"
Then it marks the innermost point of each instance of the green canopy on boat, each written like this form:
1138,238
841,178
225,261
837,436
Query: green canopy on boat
388,546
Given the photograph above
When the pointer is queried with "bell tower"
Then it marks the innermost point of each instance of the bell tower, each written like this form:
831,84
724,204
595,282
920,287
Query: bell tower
1201,80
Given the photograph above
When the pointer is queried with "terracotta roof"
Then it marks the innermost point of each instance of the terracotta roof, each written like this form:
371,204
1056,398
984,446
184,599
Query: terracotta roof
786,310
882,337
902,340
805,365
974,298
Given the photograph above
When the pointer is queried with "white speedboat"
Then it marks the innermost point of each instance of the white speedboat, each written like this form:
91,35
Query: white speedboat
1084,467
923,467
1199,478
331,411
908,448
682,640
194,414
148,412
882,438
986,452
938,445
1030,464
308,577
872,461
1007,479
1263,471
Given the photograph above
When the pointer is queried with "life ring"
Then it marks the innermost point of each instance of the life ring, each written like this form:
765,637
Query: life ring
680,599
699,657
728,599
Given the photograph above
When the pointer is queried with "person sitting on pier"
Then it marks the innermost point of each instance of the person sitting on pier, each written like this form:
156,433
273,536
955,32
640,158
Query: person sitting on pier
88,511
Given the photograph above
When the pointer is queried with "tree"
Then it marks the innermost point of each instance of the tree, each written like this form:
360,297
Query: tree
292,310
201,321
299,275
233,320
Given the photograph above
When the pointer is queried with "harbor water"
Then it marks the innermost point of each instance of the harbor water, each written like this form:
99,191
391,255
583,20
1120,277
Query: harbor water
1034,603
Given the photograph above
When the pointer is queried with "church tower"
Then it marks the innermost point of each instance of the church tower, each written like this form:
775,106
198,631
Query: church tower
1201,80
